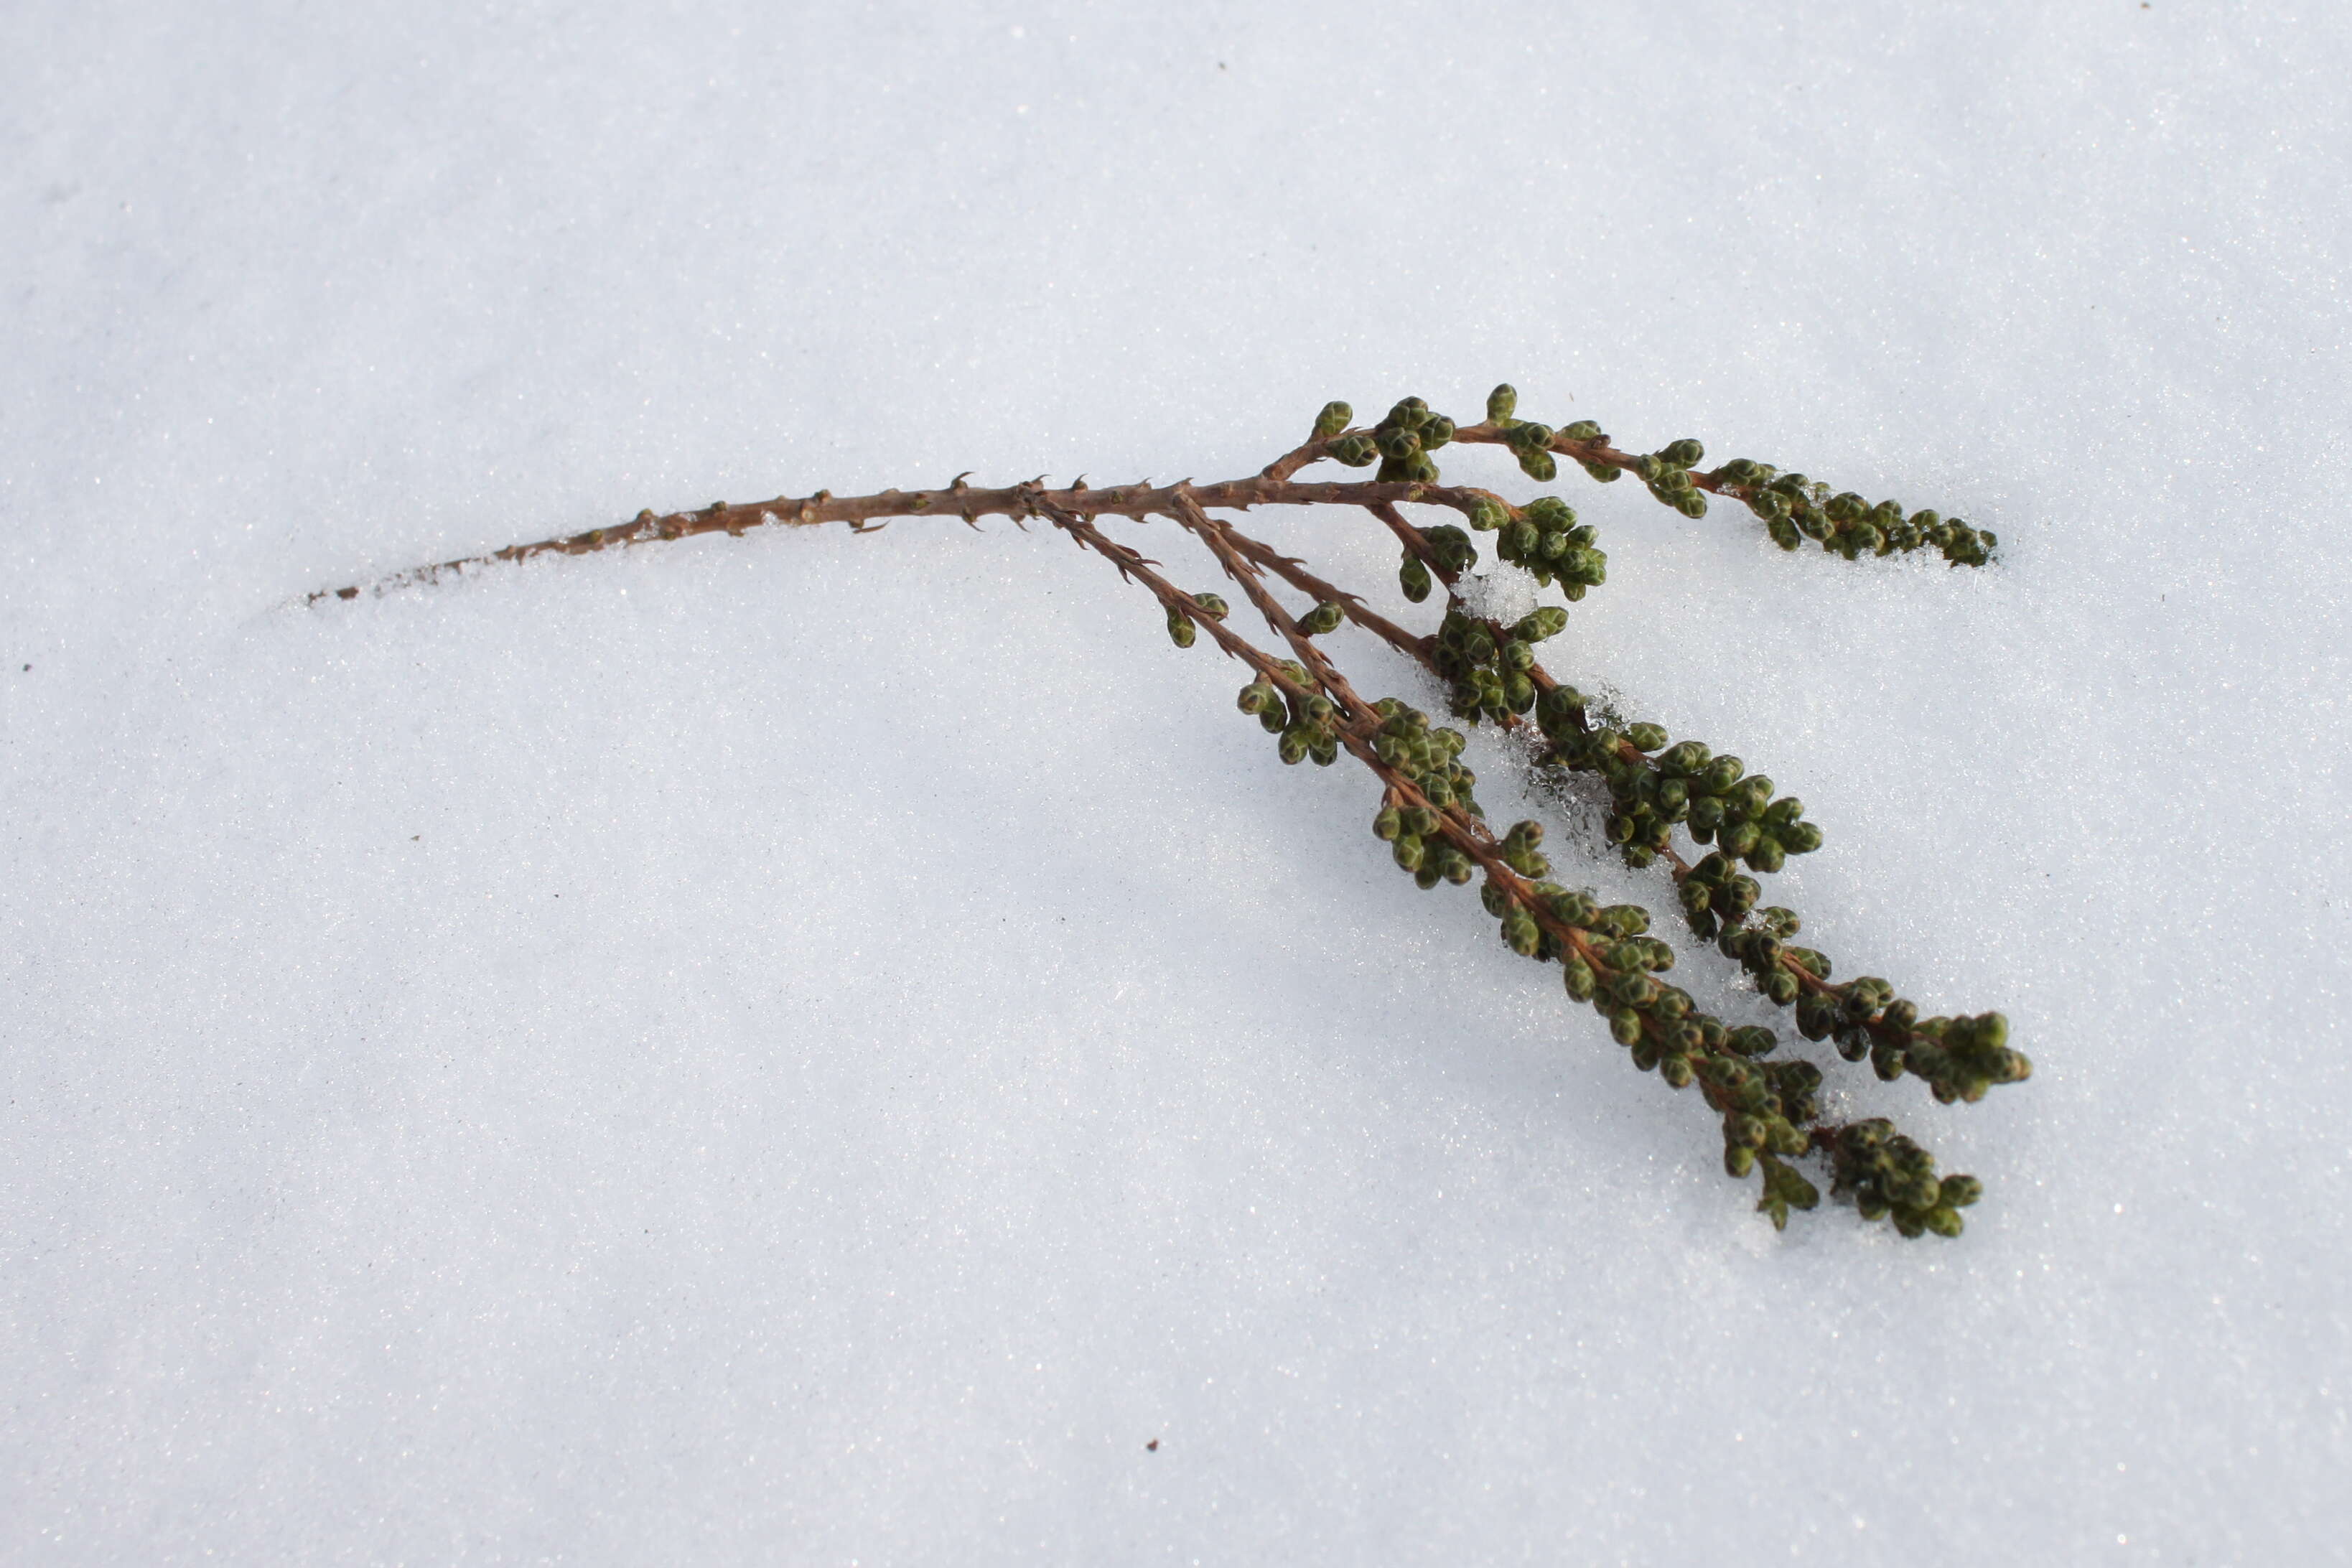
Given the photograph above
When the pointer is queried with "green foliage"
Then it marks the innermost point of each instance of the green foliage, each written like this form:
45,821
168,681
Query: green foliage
1792,507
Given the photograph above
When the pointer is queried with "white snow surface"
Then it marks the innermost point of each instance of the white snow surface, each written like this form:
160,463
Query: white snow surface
824,1049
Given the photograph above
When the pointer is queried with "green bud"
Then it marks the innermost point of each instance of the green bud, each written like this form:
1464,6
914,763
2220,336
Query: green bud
1943,1222
1624,920
1539,466
1625,1027
1332,420
1800,839
1536,625
1413,578
1436,432
1520,933
1181,630
1324,617
1682,759
1388,825
1739,1160
1292,749
1577,976
1211,605
1408,852
1647,737
1502,403
1486,515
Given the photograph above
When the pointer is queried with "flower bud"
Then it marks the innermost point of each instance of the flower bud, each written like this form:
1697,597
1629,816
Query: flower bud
1324,617
1181,630
1539,466
1548,621
1502,403
1413,578
1332,420
1577,976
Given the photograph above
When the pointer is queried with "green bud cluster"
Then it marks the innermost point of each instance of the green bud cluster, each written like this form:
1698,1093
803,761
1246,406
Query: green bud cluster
1449,546
1613,968
1430,759
1715,797
1543,538
1529,442
1180,629
1959,1058
1589,432
1785,1188
1667,473
1304,727
1716,897
1795,509
1404,440
1891,1177
1488,664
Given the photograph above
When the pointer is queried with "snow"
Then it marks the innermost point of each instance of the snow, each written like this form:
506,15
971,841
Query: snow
823,1048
